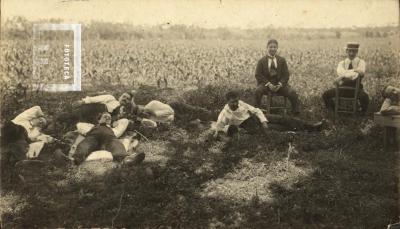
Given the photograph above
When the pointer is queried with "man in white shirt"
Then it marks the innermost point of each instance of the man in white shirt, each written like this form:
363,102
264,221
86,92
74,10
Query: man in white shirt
21,138
237,113
391,104
88,108
348,71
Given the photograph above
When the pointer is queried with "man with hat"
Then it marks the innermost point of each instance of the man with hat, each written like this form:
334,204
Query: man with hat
348,71
272,75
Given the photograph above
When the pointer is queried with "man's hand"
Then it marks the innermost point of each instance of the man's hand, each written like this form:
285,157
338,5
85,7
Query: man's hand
215,135
264,125
338,80
45,138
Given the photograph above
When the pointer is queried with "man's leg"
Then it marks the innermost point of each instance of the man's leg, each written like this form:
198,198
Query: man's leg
292,123
364,100
84,148
328,96
185,111
259,93
251,125
117,149
291,94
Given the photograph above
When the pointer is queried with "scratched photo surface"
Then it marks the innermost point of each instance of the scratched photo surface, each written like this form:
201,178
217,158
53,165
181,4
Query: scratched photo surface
180,114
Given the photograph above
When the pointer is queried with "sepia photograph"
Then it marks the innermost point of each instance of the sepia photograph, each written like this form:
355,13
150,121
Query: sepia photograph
200,114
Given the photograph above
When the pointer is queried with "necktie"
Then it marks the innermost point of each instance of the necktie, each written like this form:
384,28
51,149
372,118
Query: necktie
350,66
272,69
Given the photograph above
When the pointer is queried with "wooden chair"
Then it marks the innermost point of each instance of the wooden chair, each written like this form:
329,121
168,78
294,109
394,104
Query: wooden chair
345,104
271,106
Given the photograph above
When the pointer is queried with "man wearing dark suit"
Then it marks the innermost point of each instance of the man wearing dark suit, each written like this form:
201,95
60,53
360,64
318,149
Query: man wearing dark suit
272,75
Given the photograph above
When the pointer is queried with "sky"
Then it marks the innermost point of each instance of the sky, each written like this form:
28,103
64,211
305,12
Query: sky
213,13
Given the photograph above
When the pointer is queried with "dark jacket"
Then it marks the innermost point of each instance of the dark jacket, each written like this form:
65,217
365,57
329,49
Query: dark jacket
262,72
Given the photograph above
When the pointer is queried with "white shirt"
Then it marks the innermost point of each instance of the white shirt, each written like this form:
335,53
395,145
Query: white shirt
344,71
24,119
270,59
108,100
229,117
160,112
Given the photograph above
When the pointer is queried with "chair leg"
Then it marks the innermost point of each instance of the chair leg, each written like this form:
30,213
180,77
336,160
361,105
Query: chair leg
269,101
385,139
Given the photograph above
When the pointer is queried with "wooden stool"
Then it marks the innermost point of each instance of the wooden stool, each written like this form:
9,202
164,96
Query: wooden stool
270,105
344,104
388,122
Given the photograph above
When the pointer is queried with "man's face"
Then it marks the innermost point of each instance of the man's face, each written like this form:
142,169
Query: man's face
392,93
124,99
272,48
105,119
351,53
39,122
233,104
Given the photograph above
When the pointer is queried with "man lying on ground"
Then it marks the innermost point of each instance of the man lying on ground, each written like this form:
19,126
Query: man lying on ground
391,104
22,136
173,111
88,108
22,141
238,114
103,137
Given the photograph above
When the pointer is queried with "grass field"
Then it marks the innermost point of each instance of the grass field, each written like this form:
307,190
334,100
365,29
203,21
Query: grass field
337,178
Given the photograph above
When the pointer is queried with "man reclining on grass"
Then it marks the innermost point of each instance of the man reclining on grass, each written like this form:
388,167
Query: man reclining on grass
238,114
88,108
22,141
104,137
22,135
391,104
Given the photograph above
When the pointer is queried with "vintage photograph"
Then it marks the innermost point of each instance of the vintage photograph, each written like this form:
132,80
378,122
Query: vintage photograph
200,114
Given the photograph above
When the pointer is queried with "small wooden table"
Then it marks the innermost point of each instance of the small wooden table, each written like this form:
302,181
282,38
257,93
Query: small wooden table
388,122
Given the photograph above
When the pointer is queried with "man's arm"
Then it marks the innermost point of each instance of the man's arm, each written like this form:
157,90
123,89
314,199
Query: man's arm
285,72
343,73
389,109
361,68
29,114
222,121
256,111
120,128
99,99
260,77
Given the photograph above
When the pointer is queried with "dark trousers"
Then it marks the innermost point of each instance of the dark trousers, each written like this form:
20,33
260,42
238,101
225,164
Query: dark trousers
280,122
84,113
330,94
285,91
186,112
94,142
252,125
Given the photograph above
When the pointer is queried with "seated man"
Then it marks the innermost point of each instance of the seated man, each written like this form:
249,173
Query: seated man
391,104
272,75
88,108
102,137
348,71
238,114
